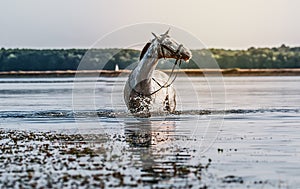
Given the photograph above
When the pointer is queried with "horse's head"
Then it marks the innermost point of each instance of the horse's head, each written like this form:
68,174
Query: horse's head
170,48
167,47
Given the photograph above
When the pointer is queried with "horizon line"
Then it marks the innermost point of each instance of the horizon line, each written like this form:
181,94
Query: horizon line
86,48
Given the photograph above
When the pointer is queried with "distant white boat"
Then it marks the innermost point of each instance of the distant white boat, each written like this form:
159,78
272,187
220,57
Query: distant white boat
117,67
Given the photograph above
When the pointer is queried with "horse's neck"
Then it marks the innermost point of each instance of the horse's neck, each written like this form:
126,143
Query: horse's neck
142,74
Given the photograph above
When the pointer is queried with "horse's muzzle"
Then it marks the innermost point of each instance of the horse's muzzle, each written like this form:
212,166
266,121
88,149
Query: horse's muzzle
186,56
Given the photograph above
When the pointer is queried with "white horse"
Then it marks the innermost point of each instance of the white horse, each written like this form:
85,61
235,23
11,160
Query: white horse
149,90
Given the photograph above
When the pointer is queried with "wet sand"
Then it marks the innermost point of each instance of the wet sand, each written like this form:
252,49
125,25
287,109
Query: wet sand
35,159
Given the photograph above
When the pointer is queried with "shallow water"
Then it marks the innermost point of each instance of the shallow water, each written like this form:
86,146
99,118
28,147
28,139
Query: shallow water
248,127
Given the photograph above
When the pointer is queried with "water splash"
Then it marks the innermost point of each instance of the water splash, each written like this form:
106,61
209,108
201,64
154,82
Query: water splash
106,113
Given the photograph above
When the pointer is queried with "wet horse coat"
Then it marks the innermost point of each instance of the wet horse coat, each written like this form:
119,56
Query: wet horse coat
150,90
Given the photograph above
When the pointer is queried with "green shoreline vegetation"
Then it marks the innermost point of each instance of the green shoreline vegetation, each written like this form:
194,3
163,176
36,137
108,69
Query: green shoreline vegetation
107,59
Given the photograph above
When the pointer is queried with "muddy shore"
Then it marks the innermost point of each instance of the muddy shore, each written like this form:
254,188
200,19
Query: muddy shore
34,159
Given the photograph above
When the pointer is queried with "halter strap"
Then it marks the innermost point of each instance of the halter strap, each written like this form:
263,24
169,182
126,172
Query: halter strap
166,84
175,53
178,56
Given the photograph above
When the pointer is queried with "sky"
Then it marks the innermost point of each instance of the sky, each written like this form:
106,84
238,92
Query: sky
230,24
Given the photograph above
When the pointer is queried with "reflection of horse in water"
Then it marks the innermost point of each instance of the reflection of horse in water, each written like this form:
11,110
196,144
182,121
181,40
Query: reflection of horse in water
155,149
148,89
146,133
149,141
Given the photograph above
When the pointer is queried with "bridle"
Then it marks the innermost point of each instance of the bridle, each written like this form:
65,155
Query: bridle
177,55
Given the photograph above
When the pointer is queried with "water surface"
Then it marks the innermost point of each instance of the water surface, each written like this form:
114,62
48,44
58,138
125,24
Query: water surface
243,132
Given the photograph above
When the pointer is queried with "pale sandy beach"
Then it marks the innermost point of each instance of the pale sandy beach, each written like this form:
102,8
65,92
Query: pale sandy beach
188,72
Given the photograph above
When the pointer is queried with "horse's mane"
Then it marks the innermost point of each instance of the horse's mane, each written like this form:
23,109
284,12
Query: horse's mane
146,47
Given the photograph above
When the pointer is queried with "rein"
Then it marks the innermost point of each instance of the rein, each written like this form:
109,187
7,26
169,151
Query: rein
178,57
167,83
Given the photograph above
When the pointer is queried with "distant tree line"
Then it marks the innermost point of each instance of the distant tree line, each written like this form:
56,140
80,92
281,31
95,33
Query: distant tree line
94,59
282,57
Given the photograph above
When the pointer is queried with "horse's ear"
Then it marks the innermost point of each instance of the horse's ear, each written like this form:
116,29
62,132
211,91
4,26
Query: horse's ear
167,32
146,47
